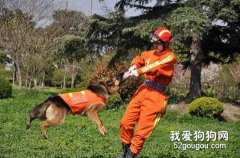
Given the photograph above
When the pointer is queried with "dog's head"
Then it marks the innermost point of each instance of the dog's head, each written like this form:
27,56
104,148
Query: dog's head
107,86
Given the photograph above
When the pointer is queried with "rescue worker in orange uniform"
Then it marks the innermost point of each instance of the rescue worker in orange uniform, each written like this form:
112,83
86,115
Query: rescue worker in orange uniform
148,103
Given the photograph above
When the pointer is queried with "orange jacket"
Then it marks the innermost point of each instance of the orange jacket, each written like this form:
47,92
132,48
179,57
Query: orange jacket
155,66
79,101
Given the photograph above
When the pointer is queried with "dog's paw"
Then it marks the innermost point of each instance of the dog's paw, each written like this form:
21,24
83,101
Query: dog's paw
102,130
45,136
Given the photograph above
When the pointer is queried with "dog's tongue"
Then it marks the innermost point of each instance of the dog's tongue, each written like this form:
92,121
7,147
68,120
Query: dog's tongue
126,75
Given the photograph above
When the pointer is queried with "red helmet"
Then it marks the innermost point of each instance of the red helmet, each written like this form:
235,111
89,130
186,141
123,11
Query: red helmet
161,34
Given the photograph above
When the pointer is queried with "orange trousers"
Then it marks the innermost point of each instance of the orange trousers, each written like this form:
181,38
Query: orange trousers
146,108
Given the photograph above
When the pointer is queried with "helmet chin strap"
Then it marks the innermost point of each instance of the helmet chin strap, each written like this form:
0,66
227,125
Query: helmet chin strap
165,46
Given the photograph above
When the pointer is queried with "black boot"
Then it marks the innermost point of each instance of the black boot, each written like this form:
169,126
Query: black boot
130,154
124,150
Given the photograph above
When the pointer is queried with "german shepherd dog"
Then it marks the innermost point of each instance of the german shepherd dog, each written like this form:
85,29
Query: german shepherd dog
52,111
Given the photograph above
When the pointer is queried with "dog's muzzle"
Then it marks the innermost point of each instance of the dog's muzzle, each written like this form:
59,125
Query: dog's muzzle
122,77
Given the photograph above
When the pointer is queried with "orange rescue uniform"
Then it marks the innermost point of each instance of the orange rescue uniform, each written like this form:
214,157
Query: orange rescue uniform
147,104
78,102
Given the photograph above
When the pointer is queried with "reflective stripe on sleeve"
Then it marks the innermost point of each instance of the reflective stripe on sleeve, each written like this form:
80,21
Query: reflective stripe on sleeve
157,63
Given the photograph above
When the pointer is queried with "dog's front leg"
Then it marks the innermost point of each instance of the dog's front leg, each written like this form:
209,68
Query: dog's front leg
92,114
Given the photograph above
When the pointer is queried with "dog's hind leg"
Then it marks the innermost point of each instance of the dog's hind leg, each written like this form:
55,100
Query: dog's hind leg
55,115
38,112
45,124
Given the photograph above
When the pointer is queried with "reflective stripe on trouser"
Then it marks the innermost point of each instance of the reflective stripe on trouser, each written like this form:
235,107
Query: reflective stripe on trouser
145,107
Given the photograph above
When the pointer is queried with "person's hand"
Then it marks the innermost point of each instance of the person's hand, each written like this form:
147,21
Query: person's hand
129,74
134,73
126,75
132,68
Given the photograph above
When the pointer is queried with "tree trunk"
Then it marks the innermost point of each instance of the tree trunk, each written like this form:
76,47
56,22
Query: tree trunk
35,82
26,83
14,73
195,66
30,84
43,79
73,77
19,75
64,76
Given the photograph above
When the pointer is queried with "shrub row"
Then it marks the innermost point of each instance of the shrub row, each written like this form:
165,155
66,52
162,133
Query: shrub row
5,88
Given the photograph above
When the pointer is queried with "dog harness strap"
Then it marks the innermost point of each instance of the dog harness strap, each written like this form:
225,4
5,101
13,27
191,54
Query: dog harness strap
155,85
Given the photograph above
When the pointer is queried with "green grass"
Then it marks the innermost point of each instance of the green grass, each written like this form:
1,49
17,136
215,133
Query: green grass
78,137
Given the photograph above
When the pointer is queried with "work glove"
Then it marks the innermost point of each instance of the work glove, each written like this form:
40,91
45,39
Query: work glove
129,74
132,68
126,75
134,73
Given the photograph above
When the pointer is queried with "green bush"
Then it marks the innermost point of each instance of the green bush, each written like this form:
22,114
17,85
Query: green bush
114,101
5,73
5,89
206,106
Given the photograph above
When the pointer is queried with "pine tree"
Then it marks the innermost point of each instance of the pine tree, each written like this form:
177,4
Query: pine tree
203,31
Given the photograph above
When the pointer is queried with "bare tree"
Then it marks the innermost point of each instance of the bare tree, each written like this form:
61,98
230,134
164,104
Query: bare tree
40,9
18,33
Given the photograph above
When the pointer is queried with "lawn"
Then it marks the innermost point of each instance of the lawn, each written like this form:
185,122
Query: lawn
78,137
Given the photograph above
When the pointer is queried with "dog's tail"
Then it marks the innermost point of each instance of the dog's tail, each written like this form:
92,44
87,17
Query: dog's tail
38,112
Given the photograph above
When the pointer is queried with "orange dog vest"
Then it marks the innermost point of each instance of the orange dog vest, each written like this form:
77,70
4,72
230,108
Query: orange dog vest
79,101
